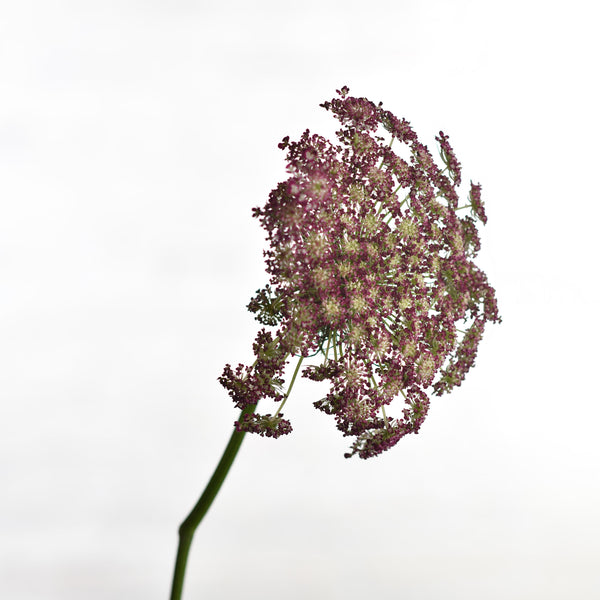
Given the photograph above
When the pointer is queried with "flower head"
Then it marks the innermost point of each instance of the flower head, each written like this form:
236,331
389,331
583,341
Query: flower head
371,268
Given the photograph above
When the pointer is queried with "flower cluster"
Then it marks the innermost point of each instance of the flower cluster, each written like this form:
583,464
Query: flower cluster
371,268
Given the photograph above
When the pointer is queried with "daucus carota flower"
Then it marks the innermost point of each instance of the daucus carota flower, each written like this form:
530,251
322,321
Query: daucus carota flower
371,268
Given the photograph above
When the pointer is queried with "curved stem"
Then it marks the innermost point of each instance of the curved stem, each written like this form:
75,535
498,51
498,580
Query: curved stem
189,526
287,395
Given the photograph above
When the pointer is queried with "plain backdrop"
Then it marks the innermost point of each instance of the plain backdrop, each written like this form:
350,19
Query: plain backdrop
135,138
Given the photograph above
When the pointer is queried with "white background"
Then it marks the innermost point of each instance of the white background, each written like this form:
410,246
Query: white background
135,137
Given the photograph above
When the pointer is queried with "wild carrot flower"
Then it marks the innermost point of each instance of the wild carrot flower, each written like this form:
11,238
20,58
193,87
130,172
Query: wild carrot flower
371,268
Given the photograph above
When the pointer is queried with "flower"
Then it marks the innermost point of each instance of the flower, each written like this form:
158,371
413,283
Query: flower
477,203
371,268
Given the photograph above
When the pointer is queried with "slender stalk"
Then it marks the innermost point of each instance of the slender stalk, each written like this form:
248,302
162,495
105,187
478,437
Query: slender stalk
189,526
334,346
287,395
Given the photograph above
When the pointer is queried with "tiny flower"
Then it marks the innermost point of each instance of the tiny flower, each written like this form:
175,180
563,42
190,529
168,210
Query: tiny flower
359,304
332,310
264,425
426,367
371,270
477,203
408,229
449,158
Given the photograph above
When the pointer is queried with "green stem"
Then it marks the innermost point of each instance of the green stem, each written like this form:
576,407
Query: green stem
328,342
189,526
334,346
287,395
